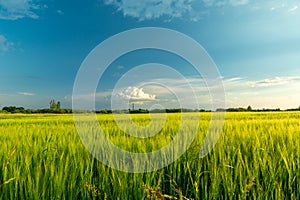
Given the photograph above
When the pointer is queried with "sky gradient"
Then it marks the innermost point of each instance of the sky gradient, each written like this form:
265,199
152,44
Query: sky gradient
254,44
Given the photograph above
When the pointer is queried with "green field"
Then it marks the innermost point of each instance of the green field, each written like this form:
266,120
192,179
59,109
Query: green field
257,157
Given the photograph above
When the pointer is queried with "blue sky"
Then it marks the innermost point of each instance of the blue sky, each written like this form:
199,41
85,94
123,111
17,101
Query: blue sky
254,44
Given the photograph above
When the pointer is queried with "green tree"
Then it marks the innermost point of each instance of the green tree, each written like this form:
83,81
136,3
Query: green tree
14,109
58,105
52,104
249,108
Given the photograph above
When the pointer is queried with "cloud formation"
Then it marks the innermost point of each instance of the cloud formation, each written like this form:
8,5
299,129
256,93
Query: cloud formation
18,9
271,82
224,2
238,2
293,9
154,9
26,93
60,12
273,92
193,10
5,45
135,94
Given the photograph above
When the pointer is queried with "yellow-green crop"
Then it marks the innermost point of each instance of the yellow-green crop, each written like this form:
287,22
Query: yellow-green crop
257,157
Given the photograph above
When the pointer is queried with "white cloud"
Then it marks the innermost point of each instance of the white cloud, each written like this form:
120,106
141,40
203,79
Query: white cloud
154,9
136,94
169,93
271,82
60,12
18,9
238,2
293,9
274,92
219,3
89,97
26,93
233,79
244,85
5,45
208,2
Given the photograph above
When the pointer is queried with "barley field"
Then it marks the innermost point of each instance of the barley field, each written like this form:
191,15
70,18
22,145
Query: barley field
256,157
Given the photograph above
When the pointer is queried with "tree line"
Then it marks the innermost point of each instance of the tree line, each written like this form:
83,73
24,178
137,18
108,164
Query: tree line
249,109
14,109
55,108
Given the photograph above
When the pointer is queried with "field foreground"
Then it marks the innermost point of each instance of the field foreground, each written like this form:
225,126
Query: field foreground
257,157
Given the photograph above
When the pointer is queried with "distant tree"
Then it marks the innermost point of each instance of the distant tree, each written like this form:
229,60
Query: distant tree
20,110
249,108
52,104
139,111
174,110
9,109
104,111
58,105
13,109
